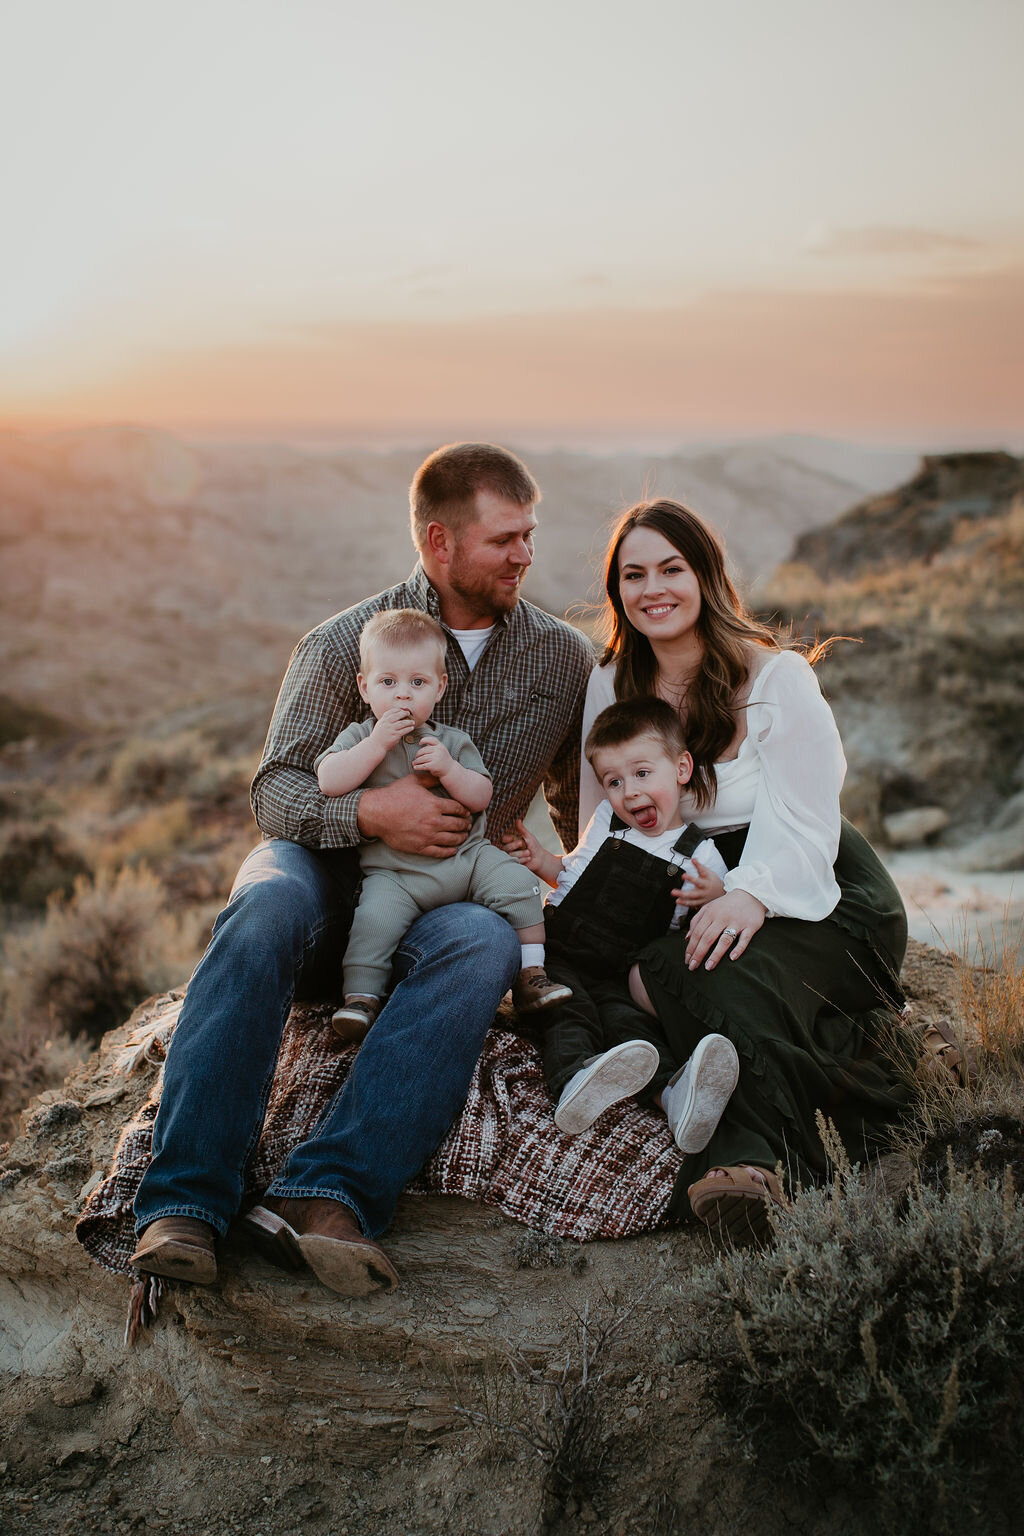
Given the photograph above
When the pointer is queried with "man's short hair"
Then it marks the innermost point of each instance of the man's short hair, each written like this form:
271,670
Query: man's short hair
444,487
627,718
401,628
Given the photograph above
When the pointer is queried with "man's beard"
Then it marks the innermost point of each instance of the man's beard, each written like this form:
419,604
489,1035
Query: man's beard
482,594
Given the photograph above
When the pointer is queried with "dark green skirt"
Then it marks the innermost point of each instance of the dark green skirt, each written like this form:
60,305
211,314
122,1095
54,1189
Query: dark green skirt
808,1007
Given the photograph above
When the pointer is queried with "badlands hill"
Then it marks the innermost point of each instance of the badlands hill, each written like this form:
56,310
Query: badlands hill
139,572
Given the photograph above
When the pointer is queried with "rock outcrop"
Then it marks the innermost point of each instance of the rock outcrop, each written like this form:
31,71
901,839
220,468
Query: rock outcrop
929,580
315,1413
917,520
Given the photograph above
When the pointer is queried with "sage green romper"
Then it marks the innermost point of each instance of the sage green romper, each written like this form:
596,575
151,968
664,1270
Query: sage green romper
399,887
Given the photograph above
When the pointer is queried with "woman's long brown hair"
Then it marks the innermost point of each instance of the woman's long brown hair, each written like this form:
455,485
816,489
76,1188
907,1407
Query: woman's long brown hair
725,629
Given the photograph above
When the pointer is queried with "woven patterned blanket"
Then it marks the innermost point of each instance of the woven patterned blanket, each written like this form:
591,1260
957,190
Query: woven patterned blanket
504,1149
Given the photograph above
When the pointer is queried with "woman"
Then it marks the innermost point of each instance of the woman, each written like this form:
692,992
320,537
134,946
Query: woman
797,964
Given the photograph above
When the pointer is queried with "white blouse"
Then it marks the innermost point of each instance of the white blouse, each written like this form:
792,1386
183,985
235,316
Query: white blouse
784,784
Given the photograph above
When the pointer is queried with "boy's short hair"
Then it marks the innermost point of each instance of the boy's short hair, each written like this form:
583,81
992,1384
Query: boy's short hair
444,487
401,628
627,718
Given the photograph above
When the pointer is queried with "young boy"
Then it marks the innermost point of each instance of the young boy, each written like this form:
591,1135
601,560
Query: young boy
618,890
402,676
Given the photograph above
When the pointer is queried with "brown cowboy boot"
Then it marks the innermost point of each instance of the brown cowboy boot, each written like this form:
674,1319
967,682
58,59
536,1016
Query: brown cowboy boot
325,1235
178,1248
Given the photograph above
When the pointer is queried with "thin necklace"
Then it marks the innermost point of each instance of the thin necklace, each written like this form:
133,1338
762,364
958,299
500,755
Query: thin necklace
678,687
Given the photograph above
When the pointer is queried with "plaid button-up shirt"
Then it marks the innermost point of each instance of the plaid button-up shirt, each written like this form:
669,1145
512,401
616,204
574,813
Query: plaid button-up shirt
522,705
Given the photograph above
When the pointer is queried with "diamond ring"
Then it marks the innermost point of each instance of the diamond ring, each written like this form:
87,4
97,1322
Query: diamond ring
731,931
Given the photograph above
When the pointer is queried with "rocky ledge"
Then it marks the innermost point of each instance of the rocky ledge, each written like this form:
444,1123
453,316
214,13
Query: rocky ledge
399,1404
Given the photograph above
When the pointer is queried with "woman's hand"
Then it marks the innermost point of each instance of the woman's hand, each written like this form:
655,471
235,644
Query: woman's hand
724,926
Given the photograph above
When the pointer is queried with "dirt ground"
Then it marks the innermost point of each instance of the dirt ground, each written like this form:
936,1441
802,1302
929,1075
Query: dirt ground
667,1469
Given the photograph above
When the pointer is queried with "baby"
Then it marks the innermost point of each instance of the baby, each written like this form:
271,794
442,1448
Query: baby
619,889
402,676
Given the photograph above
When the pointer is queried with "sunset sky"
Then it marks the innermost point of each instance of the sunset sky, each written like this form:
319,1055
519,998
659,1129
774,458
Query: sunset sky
577,221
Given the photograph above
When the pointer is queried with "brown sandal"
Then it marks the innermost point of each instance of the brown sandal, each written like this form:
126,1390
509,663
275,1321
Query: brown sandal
736,1207
945,1052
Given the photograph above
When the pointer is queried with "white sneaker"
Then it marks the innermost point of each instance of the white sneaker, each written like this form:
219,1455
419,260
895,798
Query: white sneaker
695,1098
603,1081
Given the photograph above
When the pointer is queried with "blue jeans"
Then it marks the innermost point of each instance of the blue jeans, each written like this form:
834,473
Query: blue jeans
283,934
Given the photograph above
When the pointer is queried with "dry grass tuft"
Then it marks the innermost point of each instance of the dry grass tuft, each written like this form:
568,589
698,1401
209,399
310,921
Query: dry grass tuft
991,1004
541,1250
561,1414
29,1064
986,1005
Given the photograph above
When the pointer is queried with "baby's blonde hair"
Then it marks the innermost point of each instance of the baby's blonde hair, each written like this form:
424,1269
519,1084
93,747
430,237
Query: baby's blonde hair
401,628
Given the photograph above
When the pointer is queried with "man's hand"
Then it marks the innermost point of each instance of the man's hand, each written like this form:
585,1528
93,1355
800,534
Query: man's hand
392,726
432,757
411,820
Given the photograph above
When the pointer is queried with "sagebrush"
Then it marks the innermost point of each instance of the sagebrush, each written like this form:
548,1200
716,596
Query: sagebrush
30,1062
880,1342
36,861
150,770
98,954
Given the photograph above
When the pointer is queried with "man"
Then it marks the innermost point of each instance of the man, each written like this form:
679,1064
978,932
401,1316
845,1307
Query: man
516,682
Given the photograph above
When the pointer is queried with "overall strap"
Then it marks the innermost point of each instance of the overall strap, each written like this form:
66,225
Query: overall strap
689,840
685,845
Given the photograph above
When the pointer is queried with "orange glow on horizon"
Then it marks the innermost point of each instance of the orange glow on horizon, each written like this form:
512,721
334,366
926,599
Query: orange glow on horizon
932,361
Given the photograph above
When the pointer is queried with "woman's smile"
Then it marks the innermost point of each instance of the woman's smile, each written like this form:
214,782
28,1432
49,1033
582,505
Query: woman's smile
659,591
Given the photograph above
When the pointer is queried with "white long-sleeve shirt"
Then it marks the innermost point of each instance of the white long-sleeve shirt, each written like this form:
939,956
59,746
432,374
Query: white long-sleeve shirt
783,784
661,845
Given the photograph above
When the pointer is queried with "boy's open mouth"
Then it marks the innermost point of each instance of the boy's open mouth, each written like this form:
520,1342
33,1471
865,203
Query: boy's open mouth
646,817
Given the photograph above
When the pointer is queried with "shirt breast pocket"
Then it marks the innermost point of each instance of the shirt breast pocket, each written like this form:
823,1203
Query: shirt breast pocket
544,712
534,709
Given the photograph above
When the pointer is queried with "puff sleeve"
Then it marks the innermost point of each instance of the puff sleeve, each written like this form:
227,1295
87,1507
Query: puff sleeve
794,827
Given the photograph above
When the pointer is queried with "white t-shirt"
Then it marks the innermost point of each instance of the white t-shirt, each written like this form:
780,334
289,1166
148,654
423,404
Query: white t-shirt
783,784
661,844
472,642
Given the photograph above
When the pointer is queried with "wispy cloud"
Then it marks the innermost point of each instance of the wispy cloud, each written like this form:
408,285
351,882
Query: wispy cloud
889,240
